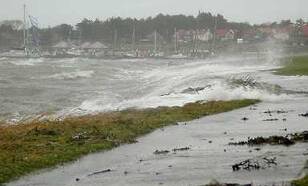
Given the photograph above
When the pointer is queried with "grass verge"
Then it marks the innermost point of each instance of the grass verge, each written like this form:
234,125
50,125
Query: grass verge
303,181
295,66
41,144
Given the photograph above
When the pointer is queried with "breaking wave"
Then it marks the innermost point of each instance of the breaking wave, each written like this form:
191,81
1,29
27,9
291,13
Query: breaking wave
72,75
153,83
3,58
217,91
27,62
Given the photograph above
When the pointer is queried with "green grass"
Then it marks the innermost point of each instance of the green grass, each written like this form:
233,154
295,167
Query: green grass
25,148
294,66
303,181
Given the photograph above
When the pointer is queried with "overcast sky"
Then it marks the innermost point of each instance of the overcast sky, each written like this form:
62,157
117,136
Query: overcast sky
52,12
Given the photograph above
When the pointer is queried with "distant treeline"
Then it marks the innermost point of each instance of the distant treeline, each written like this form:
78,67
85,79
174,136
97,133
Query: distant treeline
105,31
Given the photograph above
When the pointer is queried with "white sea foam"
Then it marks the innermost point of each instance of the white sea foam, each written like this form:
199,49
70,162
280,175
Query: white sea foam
172,80
218,91
72,75
27,62
3,58
156,83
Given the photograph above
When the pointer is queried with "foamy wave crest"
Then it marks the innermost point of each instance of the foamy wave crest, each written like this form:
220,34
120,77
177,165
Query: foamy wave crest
72,75
3,58
221,91
27,62
214,92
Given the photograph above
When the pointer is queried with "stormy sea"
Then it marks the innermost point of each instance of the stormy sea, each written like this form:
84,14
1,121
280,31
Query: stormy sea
45,88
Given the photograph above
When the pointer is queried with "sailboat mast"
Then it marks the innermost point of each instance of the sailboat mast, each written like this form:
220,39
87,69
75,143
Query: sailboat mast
175,41
134,39
24,28
155,42
115,40
214,36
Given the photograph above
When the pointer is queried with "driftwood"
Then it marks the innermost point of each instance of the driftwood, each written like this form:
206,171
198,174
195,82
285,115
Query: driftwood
160,152
100,172
272,119
276,112
181,149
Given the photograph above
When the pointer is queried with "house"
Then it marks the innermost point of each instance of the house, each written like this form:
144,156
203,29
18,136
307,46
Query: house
305,30
63,45
98,46
250,35
230,35
204,35
266,31
184,36
281,35
220,33
85,45
151,37
225,34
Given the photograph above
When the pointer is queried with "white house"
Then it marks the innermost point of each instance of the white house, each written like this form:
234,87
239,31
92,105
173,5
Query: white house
204,35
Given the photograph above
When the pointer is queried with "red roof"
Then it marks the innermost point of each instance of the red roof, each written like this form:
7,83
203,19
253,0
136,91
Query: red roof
221,32
305,30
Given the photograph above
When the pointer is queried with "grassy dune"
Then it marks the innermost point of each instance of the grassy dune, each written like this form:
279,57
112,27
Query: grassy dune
41,144
295,66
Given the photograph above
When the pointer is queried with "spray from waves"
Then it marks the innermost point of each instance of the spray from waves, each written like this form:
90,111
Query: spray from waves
208,69
27,62
72,75
3,58
66,60
169,86
226,91
39,61
218,90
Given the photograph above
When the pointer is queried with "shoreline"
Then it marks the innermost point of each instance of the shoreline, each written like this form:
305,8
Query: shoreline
294,66
304,180
44,144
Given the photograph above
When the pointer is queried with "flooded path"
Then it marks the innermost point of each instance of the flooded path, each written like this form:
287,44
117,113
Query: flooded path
209,156
155,83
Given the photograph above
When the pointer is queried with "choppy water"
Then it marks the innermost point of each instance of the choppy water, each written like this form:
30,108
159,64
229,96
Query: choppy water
59,87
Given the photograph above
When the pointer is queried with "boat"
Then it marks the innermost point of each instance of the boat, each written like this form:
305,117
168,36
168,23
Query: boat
31,42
